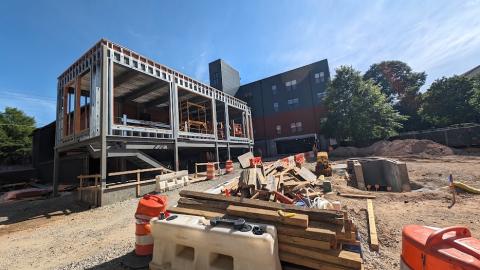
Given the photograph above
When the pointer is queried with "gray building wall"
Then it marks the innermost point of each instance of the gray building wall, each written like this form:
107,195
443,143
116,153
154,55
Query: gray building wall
224,77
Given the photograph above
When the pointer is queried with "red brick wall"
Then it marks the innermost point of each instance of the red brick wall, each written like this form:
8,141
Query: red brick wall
265,127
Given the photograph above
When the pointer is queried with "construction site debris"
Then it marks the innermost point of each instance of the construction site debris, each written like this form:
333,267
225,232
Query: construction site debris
395,148
313,233
245,159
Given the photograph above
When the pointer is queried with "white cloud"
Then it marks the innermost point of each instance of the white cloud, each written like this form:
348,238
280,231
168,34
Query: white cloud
438,37
41,107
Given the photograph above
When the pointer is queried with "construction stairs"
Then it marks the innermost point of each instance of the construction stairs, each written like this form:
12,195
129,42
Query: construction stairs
136,157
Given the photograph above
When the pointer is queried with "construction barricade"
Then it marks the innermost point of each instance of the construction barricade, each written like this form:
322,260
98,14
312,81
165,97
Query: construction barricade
149,206
228,166
210,171
191,242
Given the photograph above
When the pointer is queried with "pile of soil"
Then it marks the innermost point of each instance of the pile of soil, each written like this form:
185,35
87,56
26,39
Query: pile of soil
396,148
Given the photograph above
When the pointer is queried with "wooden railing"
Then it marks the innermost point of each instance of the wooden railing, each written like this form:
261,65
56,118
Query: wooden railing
138,181
216,164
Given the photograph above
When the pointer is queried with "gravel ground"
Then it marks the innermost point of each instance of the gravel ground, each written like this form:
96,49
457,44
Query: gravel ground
43,235
59,234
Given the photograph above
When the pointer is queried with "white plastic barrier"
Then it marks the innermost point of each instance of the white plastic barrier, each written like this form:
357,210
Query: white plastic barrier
171,181
189,242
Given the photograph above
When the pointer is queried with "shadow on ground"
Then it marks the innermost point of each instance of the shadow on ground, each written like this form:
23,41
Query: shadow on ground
129,261
13,212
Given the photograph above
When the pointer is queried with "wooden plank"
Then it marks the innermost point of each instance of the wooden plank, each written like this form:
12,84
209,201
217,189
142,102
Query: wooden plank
136,171
298,220
330,216
310,233
372,228
308,262
357,196
338,257
195,212
304,242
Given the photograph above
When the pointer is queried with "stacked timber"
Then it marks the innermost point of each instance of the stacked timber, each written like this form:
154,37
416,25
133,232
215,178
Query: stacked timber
307,237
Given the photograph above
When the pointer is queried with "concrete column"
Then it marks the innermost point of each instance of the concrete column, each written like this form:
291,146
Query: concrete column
104,121
227,124
175,156
217,156
175,123
110,95
56,163
214,118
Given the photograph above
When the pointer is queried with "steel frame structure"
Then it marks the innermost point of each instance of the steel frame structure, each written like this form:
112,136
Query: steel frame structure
102,132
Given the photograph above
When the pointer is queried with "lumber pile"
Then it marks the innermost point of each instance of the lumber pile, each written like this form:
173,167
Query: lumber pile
281,181
307,237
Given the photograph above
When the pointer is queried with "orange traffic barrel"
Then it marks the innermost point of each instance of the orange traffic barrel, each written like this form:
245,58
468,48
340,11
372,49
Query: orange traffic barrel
429,248
149,206
228,166
210,170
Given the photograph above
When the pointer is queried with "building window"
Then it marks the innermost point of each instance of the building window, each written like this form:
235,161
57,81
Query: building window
319,77
275,106
293,102
291,85
278,128
299,127
296,127
274,89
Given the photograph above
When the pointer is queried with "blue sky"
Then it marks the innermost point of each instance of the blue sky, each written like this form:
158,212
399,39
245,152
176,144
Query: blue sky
40,39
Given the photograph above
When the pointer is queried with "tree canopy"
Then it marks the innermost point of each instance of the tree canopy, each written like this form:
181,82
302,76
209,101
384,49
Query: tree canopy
402,86
15,135
357,109
451,101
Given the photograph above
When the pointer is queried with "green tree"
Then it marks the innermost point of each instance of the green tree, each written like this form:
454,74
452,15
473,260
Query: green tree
15,135
451,101
402,86
475,99
357,109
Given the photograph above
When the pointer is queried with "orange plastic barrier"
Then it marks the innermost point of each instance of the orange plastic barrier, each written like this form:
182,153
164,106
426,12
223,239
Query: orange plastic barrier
427,248
229,166
210,171
149,206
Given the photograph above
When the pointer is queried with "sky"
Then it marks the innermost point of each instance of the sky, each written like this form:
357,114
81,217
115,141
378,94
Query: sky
260,38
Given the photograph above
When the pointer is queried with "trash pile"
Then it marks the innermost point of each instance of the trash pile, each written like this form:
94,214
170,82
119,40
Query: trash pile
285,181
312,231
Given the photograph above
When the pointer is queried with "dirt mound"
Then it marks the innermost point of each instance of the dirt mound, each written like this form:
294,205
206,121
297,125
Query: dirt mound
396,148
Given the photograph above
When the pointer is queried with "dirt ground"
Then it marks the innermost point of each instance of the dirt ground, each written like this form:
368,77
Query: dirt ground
427,205
60,234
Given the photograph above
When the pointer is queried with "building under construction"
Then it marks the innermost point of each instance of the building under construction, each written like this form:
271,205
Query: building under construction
118,111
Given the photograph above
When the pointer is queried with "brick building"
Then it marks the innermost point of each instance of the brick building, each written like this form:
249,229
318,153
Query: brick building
287,108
